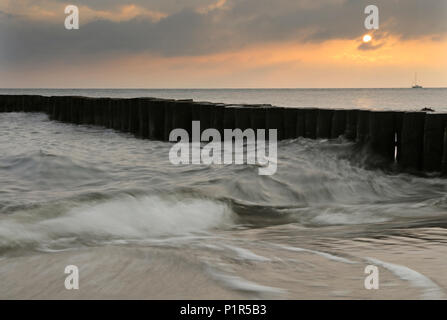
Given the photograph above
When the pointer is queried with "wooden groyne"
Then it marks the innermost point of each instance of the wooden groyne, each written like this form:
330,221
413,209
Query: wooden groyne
415,140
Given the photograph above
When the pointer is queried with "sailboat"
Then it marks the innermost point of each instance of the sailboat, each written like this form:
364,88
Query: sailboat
415,85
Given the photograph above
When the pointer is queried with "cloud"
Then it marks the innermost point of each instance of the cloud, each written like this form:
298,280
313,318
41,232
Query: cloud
214,6
369,46
199,27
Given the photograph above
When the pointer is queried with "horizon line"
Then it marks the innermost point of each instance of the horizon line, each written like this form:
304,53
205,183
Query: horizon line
215,88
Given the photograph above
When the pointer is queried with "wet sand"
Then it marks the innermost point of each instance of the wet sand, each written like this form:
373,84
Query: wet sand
410,267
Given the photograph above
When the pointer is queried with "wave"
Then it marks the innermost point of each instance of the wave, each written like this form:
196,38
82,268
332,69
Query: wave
123,218
77,185
431,291
41,166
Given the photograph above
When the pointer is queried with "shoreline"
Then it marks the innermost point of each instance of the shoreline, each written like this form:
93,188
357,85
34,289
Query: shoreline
142,272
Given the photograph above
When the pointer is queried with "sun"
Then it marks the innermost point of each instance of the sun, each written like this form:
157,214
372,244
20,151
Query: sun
367,38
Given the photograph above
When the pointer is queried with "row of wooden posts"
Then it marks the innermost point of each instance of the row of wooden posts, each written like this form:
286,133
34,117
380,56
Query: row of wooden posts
415,140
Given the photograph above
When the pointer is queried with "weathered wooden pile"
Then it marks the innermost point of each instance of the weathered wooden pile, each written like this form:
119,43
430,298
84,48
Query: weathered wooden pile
420,138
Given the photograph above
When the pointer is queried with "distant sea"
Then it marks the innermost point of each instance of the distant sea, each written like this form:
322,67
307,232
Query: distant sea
381,99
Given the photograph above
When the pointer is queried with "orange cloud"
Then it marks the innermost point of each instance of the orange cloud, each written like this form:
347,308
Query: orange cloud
51,10
122,13
335,63
218,5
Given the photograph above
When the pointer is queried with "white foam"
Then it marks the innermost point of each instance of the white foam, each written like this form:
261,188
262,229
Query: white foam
244,254
126,217
431,290
240,284
330,216
320,253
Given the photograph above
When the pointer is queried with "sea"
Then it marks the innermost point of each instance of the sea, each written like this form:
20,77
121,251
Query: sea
137,226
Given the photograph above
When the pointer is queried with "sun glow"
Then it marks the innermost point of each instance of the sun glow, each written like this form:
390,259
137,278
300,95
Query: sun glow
367,38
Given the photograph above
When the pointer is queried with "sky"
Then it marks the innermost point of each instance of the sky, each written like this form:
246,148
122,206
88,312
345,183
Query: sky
222,44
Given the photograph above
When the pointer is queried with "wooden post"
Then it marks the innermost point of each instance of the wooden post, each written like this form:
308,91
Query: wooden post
143,117
433,141
412,140
324,123
242,117
382,133
258,119
157,119
218,122
134,123
275,120
290,123
310,123
363,126
351,124
338,127
444,154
